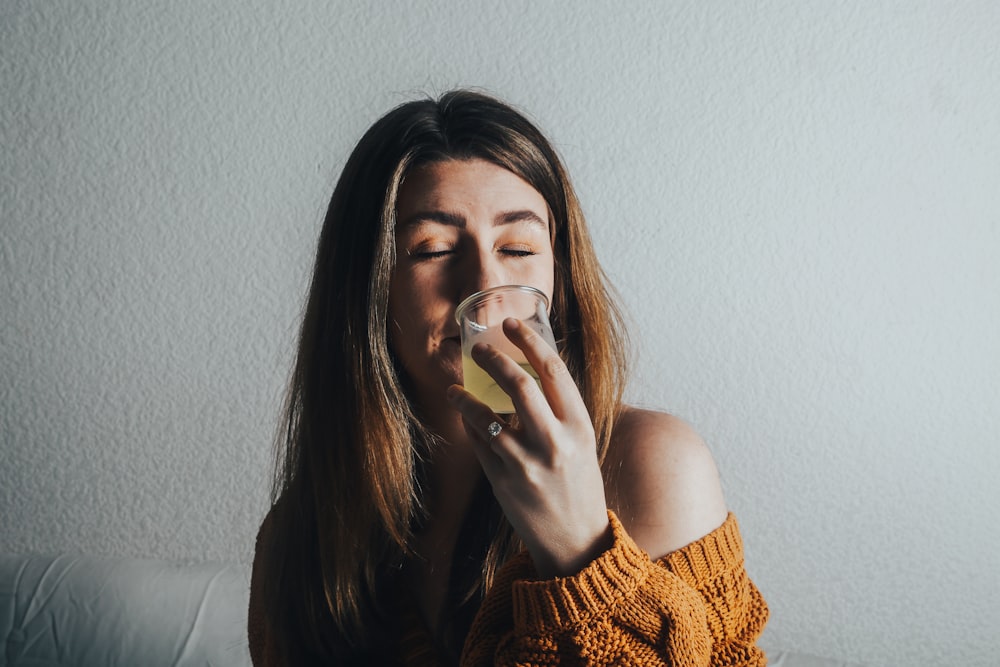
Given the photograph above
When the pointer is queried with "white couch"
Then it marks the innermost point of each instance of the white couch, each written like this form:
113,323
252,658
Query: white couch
72,611
76,611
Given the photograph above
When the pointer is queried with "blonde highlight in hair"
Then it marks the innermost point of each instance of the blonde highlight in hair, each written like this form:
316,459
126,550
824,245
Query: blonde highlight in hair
349,471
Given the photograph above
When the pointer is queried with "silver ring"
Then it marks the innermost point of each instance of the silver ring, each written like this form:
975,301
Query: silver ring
494,429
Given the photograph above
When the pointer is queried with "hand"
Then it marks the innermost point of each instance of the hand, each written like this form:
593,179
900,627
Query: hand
545,473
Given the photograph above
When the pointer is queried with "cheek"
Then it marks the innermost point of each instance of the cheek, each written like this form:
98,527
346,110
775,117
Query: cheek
399,320
413,307
545,278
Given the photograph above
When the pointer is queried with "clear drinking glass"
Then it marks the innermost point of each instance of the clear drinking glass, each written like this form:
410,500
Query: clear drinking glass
480,317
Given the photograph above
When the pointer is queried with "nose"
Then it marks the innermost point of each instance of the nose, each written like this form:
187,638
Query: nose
482,270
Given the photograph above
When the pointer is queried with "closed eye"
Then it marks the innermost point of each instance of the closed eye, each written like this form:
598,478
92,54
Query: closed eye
429,254
517,252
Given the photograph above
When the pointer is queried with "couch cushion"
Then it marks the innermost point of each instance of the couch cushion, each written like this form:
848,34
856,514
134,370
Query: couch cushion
72,610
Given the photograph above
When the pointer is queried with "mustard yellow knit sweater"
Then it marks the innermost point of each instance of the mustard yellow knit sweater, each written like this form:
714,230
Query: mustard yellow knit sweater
695,606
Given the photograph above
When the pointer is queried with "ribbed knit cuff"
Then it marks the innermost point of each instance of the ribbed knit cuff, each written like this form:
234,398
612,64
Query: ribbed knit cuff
567,601
701,561
616,574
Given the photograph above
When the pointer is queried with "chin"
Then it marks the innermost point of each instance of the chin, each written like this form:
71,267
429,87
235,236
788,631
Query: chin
452,374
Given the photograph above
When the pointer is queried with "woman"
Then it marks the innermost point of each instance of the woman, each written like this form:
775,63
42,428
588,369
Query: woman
412,525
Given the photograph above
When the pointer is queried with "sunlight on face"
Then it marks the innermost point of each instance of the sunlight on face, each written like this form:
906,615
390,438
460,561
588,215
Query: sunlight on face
462,226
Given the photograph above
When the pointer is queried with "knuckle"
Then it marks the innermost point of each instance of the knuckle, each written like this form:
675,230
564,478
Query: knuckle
553,367
552,456
534,473
525,383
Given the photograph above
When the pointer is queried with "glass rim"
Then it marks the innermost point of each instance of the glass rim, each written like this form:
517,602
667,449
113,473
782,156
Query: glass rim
482,294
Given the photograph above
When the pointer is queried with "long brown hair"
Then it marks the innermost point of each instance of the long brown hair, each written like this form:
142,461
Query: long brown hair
347,483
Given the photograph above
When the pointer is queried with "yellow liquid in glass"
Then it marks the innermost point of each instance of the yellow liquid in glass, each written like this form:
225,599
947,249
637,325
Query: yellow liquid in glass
478,383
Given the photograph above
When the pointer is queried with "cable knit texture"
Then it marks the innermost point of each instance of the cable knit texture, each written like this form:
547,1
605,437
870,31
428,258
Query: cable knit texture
694,607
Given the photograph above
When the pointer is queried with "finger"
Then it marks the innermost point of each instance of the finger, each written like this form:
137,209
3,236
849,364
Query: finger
478,418
528,398
558,386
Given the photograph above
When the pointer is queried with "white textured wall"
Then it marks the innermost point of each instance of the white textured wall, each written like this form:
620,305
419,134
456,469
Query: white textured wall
799,201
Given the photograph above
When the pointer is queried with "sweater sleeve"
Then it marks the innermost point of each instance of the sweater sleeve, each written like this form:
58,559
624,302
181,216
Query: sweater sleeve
695,606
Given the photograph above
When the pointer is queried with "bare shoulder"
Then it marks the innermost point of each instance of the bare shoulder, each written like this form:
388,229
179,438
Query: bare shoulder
662,482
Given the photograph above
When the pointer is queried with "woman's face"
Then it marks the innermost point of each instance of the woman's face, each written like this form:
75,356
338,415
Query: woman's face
461,226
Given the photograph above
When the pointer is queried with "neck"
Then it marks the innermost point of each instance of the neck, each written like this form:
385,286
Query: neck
452,468
452,475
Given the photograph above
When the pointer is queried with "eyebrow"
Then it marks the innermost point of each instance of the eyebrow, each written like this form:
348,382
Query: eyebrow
455,220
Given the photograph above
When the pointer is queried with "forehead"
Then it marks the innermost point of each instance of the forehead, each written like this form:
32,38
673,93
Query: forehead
466,187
